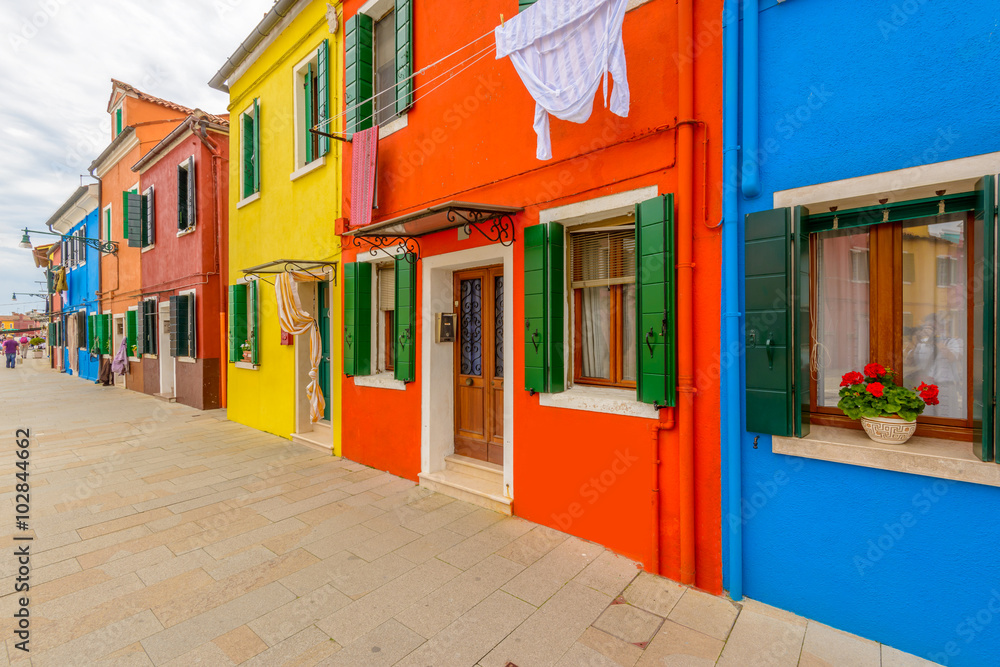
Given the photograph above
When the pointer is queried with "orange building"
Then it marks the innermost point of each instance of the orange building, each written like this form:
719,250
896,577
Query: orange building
549,345
139,121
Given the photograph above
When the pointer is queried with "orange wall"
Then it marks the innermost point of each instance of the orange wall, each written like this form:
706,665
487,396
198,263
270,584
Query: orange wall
472,139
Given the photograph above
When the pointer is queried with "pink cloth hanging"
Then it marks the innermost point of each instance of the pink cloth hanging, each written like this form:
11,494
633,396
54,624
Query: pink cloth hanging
365,146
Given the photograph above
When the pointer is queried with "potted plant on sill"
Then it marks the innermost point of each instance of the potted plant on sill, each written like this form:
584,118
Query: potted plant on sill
888,412
246,347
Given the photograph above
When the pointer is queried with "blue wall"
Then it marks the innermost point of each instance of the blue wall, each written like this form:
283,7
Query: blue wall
84,280
846,89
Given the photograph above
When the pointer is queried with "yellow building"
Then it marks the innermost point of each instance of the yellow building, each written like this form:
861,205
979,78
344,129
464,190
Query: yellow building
284,199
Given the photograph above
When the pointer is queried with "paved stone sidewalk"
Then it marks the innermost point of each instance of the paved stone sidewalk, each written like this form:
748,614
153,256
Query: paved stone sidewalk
168,536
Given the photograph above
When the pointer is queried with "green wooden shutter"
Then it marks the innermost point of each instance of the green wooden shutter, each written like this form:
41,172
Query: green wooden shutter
984,379
125,215
148,219
118,121
140,329
323,93
133,218
248,166
404,321
309,112
655,293
404,54
777,322
256,145
544,328
192,324
524,4
130,331
237,320
358,318
253,321
91,332
359,72
177,328
192,199
108,328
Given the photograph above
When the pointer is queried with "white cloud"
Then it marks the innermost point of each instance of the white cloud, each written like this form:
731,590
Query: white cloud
57,59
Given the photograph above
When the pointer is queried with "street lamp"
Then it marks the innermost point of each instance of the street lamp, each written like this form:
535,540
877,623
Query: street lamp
97,244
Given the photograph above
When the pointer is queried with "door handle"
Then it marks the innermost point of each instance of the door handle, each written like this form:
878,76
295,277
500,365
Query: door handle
649,343
468,382
769,347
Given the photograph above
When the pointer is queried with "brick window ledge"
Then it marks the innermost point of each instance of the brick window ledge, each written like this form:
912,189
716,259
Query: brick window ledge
944,459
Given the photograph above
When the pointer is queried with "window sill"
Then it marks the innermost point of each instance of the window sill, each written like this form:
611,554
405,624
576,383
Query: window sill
148,248
185,232
944,459
248,200
391,127
383,380
246,365
186,360
149,356
134,359
600,399
312,166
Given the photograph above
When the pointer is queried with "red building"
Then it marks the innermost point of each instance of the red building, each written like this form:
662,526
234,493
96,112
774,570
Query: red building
178,324
546,359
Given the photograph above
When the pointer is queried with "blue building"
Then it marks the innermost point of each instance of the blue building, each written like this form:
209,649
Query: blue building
77,218
862,142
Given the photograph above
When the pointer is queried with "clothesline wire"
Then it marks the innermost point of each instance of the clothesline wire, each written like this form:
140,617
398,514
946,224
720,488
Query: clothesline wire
474,59
322,123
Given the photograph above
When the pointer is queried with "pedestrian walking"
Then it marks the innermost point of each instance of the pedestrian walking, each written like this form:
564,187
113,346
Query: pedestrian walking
10,351
24,346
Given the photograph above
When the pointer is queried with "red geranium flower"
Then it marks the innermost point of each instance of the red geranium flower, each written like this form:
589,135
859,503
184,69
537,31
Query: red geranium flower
929,393
874,370
853,377
875,389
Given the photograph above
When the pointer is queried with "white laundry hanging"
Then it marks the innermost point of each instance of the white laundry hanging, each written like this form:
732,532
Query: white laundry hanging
563,50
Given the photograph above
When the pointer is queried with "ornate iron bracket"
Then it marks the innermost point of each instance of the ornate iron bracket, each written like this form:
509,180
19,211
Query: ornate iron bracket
407,246
500,231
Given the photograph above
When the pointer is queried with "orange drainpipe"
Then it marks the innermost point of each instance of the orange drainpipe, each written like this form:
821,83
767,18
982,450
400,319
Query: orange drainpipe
685,290
665,423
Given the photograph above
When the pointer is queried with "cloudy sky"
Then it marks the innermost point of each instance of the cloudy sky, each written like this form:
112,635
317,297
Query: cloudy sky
57,58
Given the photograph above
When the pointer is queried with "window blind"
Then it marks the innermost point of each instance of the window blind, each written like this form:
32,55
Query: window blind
602,257
387,288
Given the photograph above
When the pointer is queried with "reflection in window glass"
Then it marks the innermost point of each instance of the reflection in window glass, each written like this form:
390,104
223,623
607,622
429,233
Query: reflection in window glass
934,347
841,326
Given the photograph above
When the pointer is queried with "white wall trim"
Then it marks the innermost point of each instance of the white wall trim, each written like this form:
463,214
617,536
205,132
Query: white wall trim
377,8
248,200
599,208
954,176
305,169
437,385
383,380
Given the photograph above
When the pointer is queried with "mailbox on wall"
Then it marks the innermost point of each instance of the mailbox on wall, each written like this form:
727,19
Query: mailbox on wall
444,328
287,338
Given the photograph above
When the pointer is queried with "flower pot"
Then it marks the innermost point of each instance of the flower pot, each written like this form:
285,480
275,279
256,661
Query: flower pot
246,355
889,430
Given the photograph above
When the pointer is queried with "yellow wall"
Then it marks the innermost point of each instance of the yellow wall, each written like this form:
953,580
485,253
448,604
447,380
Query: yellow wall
291,220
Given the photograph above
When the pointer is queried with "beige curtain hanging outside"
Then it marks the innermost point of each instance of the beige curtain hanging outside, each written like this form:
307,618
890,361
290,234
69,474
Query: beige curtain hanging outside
296,321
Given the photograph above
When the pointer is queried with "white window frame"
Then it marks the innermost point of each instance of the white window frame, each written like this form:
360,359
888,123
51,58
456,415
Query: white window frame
377,9
184,164
381,378
254,196
134,309
247,280
188,359
300,166
114,113
82,234
607,400
106,222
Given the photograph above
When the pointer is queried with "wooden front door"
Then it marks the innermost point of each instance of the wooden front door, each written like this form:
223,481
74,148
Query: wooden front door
479,355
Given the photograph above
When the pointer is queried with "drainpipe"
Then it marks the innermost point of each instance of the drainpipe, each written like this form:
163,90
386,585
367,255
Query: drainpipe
216,219
751,98
685,293
730,291
665,423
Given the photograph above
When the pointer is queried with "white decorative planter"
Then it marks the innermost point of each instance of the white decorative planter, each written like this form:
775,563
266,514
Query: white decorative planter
889,430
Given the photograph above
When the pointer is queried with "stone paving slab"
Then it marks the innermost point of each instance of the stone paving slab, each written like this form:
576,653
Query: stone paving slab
169,536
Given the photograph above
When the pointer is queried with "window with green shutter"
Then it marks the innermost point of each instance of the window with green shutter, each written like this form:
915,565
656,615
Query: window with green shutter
150,326
544,330
314,81
250,149
357,318
323,94
985,422
118,121
92,343
404,55
405,318
140,328
253,321
524,4
132,214
178,327
359,73
186,200
148,215
237,321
